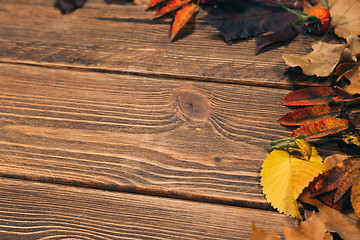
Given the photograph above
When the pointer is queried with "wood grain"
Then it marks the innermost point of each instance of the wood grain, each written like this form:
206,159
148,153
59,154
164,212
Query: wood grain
192,140
32,210
123,38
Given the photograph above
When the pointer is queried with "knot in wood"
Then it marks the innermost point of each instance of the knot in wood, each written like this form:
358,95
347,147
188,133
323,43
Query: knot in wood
194,105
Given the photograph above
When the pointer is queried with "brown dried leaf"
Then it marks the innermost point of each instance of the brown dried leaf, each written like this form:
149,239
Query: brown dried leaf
321,128
257,234
354,76
345,15
333,160
311,229
310,114
320,62
334,221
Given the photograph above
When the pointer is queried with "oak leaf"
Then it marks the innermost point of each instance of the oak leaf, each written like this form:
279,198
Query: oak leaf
257,234
320,62
345,15
284,175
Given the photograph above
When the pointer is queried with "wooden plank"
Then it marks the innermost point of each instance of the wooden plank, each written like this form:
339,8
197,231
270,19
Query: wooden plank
192,140
124,38
32,210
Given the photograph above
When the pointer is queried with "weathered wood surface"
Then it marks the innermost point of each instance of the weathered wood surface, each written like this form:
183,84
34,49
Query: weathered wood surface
31,210
124,38
101,99
169,137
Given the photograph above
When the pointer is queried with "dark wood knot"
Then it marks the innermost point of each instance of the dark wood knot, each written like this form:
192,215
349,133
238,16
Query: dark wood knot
194,105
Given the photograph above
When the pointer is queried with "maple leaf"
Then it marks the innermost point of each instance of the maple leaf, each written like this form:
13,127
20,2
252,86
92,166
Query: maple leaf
345,15
284,175
249,18
67,6
257,234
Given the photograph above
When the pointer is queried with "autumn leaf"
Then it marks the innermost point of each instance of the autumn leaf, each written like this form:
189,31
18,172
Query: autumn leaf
321,128
345,15
311,229
320,62
171,6
67,6
244,19
257,234
154,3
339,178
334,221
310,114
284,175
354,76
315,96
181,18
355,196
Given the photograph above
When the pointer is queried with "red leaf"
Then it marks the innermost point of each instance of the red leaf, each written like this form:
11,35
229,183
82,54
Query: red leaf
171,6
312,96
309,114
154,3
339,178
344,67
182,16
321,128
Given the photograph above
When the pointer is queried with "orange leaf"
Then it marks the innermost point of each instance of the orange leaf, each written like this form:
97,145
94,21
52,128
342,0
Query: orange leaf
181,18
309,114
322,128
314,96
171,6
153,3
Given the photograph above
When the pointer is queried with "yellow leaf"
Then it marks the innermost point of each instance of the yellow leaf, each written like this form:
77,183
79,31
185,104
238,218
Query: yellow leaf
284,176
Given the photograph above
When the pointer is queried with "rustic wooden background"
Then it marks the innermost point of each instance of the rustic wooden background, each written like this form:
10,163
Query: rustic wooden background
110,131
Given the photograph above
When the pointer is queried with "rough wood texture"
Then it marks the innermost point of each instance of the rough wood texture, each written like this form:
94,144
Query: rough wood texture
32,210
124,38
176,138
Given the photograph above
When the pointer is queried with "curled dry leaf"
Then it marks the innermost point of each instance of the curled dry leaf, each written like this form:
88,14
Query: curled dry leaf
354,76
345,15
284,175
257,234
320,62
311,229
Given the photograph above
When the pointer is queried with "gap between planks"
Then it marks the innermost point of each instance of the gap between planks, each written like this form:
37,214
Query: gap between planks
154,75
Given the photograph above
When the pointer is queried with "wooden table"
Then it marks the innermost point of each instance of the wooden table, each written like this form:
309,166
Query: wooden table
110,131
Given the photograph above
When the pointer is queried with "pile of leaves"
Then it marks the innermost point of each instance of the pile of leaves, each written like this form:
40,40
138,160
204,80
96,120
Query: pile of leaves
327,111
